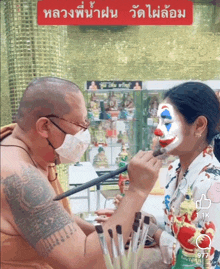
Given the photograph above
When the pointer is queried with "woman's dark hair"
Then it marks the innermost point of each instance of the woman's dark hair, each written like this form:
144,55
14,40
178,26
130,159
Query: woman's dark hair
194,99
217,148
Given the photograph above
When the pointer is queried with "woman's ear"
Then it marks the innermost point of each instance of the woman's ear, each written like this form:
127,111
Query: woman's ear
201,124
42,127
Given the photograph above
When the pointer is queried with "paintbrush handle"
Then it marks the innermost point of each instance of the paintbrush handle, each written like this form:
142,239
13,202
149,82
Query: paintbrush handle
91,183
108,261
133,260
124,263
102,178
140,252
129,251
116,263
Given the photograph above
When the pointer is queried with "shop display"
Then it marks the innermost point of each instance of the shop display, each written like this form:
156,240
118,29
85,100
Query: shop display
123,157
90,115
93,106
123,138
99,137
123,115
103,115
120,137
128,106
111,115
129,102
100,160
112,105
153,107
112,131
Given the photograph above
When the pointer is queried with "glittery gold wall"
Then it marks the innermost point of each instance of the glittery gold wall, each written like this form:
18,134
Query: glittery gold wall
32,51
148,52
28,51
5,99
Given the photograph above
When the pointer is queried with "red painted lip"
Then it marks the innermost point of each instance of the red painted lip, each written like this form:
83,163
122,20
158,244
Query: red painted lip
164,143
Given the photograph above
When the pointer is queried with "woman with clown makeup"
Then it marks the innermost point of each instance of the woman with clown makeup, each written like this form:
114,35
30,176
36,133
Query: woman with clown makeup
188,128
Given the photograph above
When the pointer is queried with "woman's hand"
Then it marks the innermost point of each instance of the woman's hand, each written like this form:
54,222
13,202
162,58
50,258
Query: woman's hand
103,215
101,219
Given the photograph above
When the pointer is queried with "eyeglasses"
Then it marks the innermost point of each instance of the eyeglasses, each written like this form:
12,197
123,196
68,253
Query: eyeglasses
85,126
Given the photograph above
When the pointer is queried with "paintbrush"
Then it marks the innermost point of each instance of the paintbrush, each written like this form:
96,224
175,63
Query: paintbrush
116,260
143,236
123,259
136,222
102,178
138,215
133,254
104,247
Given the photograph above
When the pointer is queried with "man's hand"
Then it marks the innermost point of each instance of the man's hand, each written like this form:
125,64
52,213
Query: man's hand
143,172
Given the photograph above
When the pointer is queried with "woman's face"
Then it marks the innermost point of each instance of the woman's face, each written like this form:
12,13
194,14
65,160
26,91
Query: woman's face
175,135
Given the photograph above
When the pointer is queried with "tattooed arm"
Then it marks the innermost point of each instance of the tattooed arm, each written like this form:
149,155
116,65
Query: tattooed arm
44,223
35,215
52,232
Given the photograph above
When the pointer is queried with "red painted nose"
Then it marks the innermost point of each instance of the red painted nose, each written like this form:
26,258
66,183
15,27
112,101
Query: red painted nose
158,132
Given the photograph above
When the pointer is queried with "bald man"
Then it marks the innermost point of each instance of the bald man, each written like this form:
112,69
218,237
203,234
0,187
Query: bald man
37,232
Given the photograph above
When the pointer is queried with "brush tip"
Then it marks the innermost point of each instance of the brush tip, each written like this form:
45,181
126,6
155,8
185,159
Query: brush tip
135,227
138,215
137,221
158,152
110,233
99,229
146,219
119,229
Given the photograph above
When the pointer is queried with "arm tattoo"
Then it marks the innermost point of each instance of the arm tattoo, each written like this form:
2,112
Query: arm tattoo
43,222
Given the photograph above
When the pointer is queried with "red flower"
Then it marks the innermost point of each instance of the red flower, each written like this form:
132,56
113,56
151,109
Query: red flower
170,167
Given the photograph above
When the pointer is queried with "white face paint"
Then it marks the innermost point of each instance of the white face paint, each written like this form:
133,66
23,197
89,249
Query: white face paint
170,128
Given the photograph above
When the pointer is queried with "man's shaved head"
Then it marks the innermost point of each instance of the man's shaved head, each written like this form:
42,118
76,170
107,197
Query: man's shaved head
45,96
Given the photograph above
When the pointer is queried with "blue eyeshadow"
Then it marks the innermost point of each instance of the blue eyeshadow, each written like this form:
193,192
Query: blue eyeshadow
166,114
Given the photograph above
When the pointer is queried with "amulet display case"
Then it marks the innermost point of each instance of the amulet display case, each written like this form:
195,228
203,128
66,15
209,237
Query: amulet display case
112,110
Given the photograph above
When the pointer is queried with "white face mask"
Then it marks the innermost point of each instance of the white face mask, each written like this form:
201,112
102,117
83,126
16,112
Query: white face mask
169,129
74,146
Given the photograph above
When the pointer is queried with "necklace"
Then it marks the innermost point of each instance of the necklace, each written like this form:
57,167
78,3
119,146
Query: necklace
23,149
